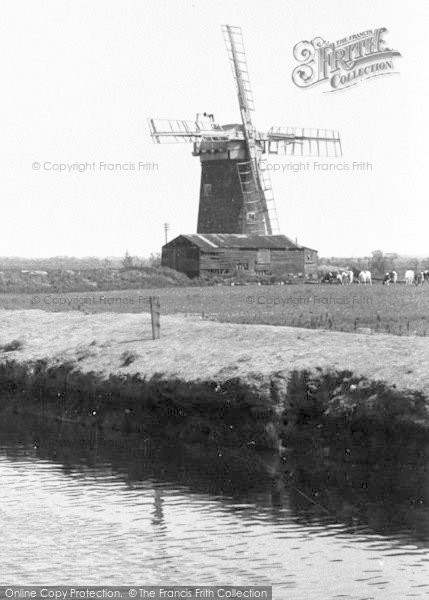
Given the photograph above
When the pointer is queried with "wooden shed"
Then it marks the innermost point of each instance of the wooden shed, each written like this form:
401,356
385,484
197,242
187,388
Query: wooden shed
226,254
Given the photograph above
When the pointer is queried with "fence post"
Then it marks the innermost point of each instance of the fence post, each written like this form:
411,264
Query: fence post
155,316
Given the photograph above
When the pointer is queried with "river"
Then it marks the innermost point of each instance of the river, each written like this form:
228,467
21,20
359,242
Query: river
348,521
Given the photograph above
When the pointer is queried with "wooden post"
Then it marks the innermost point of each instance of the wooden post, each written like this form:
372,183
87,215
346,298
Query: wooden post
155,316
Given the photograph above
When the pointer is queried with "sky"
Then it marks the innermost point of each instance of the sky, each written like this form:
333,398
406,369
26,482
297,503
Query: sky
81,78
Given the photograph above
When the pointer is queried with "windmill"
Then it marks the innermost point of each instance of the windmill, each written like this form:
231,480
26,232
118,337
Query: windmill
235,193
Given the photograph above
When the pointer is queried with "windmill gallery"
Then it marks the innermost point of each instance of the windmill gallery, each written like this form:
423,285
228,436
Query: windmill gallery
237,228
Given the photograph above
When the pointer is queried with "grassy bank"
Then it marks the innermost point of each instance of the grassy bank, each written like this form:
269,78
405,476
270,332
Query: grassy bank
401,310
65,280
210,382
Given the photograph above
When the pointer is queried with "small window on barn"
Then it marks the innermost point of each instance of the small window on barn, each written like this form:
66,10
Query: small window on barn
207,187
251,217
263,256
242,266
219,271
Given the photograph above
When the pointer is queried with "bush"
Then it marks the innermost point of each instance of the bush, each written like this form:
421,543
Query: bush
128,357
12,346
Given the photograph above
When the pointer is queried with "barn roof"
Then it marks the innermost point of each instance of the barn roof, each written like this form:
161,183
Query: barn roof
211,241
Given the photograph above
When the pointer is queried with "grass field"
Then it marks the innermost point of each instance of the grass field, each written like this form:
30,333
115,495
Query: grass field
400,309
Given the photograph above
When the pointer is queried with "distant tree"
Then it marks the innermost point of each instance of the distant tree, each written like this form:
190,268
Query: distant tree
363,263
390,258
128,261
140,262
378,263
414,263
155,259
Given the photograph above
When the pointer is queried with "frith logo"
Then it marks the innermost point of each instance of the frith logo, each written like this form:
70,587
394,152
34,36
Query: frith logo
343,63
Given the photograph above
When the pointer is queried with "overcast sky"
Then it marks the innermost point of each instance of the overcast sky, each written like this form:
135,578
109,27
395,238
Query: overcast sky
80,78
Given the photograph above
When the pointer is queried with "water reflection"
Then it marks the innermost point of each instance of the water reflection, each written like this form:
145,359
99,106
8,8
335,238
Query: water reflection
349,519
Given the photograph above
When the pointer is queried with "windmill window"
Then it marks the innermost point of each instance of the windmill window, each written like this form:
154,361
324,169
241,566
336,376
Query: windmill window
207,189
251,217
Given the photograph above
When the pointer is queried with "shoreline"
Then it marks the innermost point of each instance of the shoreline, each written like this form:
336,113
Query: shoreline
209,382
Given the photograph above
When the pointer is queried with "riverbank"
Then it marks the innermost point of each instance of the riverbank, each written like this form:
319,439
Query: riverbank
210,382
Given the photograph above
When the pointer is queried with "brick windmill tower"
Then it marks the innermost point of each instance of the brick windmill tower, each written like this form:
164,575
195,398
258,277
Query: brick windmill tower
235,192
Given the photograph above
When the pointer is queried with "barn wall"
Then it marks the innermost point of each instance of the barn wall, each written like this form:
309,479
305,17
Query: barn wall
287,261
311,262
181,256
217,262
231,260
257,261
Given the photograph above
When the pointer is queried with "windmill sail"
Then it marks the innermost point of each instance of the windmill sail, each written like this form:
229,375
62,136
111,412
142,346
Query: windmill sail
237,57
269,197
294,141
255,200
174,131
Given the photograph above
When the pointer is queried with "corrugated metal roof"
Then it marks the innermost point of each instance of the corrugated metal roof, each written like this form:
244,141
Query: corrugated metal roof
209,241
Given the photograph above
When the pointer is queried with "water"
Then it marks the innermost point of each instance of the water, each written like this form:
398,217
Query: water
321,524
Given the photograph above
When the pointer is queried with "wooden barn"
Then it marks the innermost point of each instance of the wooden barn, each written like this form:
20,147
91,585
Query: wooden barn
226,254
